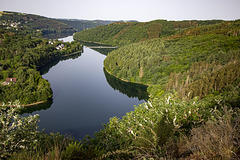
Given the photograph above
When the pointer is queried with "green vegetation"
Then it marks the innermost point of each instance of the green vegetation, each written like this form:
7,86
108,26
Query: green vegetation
174,64
21,21
20,139
100,34
192,69
161,128
129,89
119,34
48,27
192,72
192,65
81,25
16,132
21,54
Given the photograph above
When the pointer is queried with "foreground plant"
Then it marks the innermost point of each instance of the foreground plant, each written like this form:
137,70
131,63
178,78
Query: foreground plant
219,138
145,131
17,132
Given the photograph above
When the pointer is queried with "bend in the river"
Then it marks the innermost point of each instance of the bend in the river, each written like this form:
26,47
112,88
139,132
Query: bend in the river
84,96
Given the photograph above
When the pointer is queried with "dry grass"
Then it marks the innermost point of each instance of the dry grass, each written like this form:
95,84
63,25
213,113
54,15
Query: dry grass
217,139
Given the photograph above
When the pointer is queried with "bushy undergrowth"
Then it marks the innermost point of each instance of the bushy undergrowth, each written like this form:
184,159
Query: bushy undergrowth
17,132
160,128
153,130
20,139
218,138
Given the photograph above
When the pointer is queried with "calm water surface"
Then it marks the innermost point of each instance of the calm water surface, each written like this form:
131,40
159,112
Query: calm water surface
82,98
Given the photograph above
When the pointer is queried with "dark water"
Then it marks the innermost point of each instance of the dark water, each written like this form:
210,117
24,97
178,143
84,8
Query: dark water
85,96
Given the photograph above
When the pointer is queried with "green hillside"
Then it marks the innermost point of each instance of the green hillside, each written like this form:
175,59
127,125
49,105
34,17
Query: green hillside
119,34
191,71
81,25
182,61
22,52
20,21
193,79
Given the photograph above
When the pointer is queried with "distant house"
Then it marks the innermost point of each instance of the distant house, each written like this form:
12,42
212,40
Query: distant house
60,47
10,80
50,42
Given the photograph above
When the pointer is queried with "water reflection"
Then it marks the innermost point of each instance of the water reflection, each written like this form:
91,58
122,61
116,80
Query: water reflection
84,96
39,107
103,51
48,66
127,88
92,44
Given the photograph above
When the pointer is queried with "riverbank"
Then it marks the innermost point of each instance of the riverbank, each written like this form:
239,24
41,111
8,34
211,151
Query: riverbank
72,81
40,102
124,79
32,104
13,104
92,43
71,54
62,56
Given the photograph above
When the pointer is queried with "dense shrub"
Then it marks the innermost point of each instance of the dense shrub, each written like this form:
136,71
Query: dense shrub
17,132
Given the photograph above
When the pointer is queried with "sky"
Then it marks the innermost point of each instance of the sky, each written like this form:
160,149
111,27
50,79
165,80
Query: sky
140,10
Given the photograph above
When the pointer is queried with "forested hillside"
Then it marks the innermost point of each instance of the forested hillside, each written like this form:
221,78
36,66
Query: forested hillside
22,21
81,25
194,78
195,62
21,54
47,26
119,34
192,72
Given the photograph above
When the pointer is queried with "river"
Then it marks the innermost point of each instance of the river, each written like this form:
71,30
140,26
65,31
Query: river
84,95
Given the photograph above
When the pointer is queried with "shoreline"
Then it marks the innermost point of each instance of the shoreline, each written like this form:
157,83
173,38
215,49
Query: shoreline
40,102
32,104
126,80
24,105
70,54
74,53
97,43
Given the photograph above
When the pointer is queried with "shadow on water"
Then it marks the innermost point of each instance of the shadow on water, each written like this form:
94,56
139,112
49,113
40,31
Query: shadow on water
44,70
127,88
49,65
38,107
103,51
93,44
